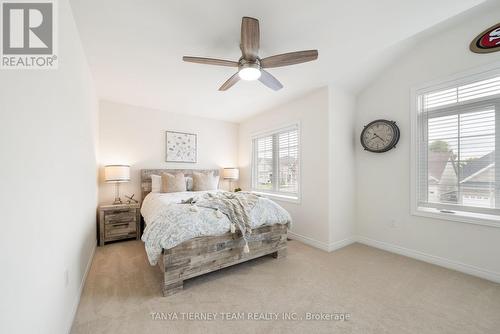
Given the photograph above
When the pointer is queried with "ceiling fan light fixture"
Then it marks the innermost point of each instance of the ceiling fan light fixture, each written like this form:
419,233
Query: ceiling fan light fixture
249,73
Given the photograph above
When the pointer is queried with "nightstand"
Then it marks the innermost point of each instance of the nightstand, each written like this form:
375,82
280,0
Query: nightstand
117,222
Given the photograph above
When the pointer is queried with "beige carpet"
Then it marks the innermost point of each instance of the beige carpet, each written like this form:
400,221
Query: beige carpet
382,293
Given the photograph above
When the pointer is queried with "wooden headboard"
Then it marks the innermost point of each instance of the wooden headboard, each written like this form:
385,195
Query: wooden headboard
146,176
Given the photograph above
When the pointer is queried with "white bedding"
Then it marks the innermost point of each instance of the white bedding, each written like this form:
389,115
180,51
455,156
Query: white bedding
154,201
169,223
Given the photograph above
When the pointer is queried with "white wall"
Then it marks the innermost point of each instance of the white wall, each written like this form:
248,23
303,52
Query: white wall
383,180
136,136
48,128
342,167
325,118
310,216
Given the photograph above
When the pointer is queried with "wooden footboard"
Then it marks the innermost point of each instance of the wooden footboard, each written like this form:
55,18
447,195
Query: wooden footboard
206,254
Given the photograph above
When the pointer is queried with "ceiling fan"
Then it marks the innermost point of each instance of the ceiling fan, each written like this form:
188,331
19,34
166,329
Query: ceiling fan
250,66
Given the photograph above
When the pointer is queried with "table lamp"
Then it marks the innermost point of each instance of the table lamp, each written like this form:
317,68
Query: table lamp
231,174
117,174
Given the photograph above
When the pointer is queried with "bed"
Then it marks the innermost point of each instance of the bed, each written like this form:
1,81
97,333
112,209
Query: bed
182,252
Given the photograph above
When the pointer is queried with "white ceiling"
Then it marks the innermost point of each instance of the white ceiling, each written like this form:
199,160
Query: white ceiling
135,47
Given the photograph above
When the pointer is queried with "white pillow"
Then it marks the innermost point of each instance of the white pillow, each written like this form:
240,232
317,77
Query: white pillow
155,183
205,181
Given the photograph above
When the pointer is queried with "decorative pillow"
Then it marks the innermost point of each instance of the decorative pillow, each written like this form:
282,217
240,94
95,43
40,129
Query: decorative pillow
189,183
173,183
155,183
205,181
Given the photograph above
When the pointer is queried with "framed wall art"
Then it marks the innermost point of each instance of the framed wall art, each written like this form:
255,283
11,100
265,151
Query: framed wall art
180,147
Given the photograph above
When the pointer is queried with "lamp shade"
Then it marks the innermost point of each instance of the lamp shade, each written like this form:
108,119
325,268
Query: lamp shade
117,173
231,173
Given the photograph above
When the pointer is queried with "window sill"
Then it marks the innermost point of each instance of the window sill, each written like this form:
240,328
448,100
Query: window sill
458,216
278,197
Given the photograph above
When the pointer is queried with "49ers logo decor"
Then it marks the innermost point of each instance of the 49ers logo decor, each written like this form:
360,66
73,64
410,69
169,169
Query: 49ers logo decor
487,41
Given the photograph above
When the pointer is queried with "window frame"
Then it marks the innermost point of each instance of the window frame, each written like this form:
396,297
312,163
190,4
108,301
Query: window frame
472,215
277,195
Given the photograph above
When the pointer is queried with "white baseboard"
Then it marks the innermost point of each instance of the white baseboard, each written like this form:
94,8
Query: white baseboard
341,244
82,285
308,241
439,261
320,244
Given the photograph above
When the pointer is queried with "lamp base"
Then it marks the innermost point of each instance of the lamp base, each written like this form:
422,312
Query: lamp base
118,200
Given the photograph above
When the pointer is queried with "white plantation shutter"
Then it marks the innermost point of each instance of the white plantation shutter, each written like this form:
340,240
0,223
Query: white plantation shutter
463,93
288,161
275,167
457,141
264,164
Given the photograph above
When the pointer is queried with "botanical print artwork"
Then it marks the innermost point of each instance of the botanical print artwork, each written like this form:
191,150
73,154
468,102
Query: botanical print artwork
181,147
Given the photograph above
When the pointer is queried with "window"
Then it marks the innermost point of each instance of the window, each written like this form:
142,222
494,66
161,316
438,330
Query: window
455,150
275,167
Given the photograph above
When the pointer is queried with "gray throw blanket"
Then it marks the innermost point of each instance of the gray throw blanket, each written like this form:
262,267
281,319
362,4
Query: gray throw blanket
236,206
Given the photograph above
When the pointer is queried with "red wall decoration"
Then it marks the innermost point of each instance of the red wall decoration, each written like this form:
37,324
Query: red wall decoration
487,41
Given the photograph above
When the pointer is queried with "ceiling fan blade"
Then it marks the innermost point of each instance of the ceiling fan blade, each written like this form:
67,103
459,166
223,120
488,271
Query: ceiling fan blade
250,38
230,82
290,58
210,61
269,80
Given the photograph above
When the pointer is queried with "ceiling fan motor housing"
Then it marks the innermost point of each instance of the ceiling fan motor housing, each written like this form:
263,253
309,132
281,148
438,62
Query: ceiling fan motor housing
244,63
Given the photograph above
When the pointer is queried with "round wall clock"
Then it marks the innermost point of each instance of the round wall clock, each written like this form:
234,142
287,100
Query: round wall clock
380,136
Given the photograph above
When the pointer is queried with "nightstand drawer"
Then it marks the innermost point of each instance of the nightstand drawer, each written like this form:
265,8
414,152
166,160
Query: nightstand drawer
125,229
119,216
